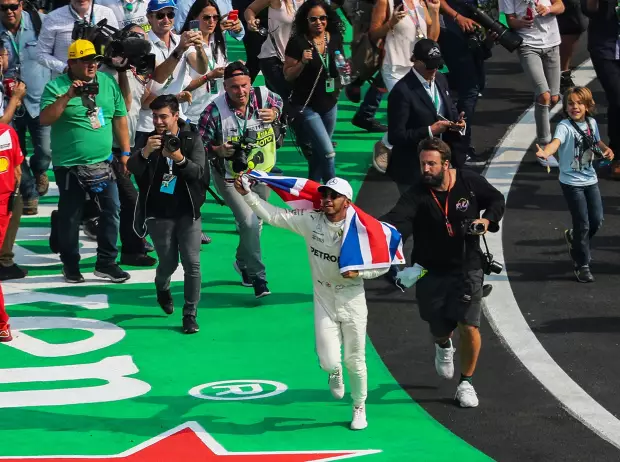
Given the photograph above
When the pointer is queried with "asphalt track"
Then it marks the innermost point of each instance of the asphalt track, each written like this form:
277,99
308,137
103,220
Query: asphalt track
517,418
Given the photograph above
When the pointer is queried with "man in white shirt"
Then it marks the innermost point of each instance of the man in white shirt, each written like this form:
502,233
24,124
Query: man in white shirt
129,12
55,36
172,55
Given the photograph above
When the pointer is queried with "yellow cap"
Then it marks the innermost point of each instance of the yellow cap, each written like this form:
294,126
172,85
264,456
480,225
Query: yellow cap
81,49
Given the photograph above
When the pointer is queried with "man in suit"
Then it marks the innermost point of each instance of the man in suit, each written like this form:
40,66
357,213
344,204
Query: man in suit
419,107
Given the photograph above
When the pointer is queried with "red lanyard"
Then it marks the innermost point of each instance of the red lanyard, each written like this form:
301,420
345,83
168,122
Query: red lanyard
444,210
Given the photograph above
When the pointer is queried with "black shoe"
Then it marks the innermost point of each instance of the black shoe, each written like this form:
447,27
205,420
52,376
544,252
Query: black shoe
583,274
260,288
353,93
486,290
72,275
245,277
475,160
148,247
90,228
12,272
370,125
137,259
204,239
113,272
164,298
54,232
190,326
566,81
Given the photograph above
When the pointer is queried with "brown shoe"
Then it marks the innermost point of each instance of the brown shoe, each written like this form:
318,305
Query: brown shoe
31,207
381,157
615,171
43,183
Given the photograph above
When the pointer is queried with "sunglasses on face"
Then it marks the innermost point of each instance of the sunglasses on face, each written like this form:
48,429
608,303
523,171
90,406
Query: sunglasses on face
87,60
211,17
317,18
333,195
11,7
169,15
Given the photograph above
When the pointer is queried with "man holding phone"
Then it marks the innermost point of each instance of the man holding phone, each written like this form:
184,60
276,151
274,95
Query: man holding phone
420,106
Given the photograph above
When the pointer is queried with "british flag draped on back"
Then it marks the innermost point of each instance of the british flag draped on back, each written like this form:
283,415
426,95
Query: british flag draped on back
367,243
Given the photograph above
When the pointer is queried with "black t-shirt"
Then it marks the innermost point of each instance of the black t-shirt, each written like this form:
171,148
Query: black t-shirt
163,205
321,101
418,214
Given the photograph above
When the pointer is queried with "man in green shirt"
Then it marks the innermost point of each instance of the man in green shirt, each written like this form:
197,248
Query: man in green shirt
84,119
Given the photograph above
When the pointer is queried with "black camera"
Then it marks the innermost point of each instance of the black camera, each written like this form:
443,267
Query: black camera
507,38
88,89
491,266
470,227
117,45
170,142
243,147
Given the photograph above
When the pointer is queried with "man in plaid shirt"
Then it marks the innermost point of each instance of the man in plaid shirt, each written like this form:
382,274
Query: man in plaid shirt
237,131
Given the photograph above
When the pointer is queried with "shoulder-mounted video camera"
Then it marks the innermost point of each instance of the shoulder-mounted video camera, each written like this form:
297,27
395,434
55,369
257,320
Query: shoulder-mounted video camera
117,45
489,265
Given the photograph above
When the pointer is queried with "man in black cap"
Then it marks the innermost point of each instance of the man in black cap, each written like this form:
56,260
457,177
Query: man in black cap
420,106
237,131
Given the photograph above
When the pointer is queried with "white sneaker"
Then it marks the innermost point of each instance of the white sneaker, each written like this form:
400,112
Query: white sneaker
444,361
359,418
466,395
381,157
336,384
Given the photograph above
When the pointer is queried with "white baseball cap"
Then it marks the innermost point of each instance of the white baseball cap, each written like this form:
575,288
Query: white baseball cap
340,186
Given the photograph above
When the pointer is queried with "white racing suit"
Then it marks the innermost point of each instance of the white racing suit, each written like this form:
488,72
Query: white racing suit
340,313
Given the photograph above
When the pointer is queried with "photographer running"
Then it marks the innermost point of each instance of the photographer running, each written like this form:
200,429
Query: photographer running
443,214
237,127
172,178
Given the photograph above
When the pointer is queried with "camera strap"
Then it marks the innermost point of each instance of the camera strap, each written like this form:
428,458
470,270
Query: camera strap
445,209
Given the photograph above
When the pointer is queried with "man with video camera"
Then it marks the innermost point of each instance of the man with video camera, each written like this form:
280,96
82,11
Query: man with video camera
85,108
237,128
172,178
442,212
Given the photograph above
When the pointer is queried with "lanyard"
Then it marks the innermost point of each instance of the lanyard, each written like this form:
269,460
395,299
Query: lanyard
245,121
212,60
415,18
433,88
325,56
444,211
169,162
77,16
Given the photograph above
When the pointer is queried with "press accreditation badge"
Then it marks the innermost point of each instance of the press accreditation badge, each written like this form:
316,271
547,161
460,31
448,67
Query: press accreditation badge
96,118
168,183
330,85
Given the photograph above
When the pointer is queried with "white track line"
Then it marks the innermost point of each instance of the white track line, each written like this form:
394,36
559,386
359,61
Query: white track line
504,314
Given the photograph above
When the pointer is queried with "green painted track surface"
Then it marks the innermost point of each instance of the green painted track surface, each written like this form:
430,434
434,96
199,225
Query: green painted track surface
240,338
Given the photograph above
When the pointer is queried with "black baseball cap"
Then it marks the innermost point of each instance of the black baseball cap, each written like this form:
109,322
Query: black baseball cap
235,69
427,51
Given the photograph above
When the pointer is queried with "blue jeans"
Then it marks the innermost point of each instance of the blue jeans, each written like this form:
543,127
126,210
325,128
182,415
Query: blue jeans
372,100
466,71
70,207
318,129
40,159
586,208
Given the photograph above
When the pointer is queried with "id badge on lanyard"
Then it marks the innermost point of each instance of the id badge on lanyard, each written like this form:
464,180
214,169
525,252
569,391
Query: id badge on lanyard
168,181
444,211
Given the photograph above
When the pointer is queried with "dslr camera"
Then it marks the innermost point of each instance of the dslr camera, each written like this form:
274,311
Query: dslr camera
170,142
489,265
243,147
88,89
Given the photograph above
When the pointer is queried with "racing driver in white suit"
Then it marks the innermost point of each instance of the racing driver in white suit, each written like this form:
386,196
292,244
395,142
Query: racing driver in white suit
340,313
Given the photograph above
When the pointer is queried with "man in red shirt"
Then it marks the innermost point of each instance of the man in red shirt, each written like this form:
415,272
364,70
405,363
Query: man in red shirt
11,158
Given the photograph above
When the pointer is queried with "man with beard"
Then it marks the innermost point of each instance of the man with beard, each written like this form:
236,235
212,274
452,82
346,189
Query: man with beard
441,212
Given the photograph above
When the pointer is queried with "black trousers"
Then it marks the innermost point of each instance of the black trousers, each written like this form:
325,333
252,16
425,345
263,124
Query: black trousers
608,73
131,243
